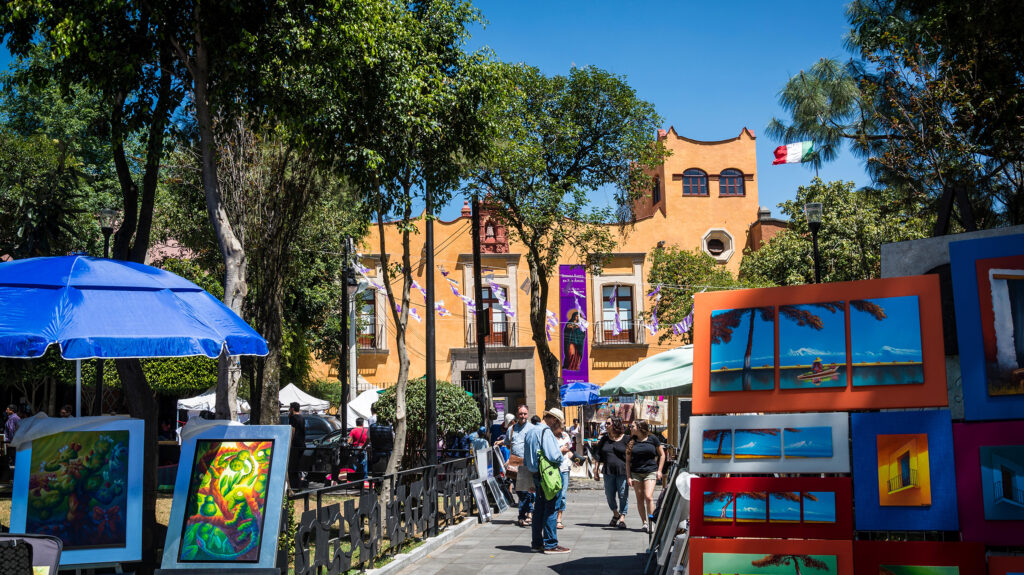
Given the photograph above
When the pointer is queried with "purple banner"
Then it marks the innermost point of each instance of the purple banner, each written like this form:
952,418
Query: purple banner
572,301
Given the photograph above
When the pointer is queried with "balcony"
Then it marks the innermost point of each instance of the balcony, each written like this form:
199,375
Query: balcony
631,332
372,339
502,334
899,482
1012,495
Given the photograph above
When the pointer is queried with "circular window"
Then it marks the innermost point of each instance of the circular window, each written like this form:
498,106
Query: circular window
716,247
718,244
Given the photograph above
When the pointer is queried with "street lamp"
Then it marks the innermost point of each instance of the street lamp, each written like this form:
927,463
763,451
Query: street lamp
813,212
107,218
347,360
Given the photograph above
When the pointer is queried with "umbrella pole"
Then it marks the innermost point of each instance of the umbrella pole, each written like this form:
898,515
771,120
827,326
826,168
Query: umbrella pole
78,388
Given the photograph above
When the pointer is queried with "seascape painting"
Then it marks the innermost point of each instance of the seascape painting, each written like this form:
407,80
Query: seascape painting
1002,482
917,570
784,507
903,470
769,564
819,506
807,442
743,349
812,345
717,444
718,507
885,341
790,507
78,488
226,501
751,507
757,444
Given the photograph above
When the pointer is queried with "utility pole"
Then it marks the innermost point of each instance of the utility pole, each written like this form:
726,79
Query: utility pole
343,356
431,367
482,325
353,349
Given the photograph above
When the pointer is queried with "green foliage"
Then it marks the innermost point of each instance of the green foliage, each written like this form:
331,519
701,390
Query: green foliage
854,226
456,410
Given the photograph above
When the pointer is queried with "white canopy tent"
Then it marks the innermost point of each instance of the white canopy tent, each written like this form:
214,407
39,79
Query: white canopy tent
307,402
207,401
360,406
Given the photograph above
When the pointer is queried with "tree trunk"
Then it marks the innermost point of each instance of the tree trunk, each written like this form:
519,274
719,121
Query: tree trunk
142,405
538,319
401,319
746,357
272,304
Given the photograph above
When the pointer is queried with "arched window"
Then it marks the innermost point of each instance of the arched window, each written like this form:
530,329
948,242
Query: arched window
656,191
695,182
730,183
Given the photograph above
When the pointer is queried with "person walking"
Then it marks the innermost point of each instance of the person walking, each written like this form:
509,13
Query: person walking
564,440
611,457
298,444
515,440
540,442
358,438
645,458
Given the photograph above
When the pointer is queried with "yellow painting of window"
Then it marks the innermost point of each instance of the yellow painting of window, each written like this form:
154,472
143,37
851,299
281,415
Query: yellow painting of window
903,476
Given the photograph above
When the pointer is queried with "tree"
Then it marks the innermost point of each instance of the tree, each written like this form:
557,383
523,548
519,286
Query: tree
456,410
555,139
854,226
796,561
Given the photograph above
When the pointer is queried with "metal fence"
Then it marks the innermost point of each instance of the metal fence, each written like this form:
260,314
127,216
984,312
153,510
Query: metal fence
333,537
500,334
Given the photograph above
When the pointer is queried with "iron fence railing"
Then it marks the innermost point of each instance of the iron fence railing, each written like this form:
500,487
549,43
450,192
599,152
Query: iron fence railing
371,337
900,481
501,334
629,331
1013,493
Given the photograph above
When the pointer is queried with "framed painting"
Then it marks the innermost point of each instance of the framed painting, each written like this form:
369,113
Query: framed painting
856,345
80,480
775,443
918,558
770,556
990,481
988,294
228,494
914,487
1005,565
771,507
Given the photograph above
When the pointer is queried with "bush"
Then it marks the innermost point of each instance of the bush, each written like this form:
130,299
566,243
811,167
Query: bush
456,409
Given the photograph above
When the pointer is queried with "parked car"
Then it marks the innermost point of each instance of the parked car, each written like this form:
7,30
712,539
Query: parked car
317,426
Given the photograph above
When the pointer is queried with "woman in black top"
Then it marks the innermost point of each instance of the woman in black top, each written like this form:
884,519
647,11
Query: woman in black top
645,458
611,453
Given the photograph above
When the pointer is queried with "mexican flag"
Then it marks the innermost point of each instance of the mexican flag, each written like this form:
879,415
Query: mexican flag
794,153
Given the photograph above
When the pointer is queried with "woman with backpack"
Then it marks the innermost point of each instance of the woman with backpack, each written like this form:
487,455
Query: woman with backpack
645,457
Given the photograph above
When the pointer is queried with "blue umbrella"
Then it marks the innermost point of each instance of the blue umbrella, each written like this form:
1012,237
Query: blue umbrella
581,393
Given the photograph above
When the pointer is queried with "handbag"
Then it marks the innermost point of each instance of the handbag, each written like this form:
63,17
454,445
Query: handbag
15,558
550,476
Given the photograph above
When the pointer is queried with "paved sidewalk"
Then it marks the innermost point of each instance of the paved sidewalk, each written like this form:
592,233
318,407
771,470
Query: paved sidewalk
502,547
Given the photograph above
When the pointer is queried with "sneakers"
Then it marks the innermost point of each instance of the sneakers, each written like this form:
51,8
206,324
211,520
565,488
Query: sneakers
557,551
645,528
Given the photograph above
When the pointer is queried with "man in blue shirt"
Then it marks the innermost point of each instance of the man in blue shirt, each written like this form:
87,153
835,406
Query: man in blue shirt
515,440
541,438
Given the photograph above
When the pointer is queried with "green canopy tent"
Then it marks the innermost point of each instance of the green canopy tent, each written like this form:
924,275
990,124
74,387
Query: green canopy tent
667,373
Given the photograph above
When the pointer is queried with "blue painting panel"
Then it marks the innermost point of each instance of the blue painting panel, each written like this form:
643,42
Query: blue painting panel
819,507
941,514
784,507
758,444
885,341
965,258
751,507
718,507
805,442
743,349
812,345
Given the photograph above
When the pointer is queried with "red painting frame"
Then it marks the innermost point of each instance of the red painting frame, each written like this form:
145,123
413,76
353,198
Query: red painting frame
931,393
1002,564
841,486
843,550
969,557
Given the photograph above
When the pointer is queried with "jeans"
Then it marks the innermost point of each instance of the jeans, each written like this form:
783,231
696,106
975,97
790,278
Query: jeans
525,503
545,519
616,485
560,500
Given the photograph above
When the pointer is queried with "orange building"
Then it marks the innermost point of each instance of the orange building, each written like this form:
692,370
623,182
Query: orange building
705,197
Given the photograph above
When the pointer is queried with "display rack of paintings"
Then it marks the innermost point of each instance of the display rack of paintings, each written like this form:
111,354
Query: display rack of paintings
1005,565
776,443
227,498
990,481
919,558
988,292
770,556
914,488
770,507
857,345
80,480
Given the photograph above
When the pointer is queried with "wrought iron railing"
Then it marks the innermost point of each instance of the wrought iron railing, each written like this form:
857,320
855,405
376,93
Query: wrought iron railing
334,537
629,331
501,334
899,481
1014,493
371,337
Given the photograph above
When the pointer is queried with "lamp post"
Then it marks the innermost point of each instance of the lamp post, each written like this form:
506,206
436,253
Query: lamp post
813,212
348,278
106,218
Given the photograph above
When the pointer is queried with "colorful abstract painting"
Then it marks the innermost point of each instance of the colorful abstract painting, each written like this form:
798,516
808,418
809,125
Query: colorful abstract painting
903,472
78,488
885,341
769,564
917,570
226,501
812,345
807,442
743,349
1002,482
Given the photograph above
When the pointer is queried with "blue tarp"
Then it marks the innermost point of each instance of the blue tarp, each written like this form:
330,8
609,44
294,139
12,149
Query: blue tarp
94,307
580,393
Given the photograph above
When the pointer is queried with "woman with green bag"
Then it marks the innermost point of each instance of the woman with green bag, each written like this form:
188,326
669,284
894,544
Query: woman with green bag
542,456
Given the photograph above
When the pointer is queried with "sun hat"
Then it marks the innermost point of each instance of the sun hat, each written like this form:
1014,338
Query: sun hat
556,413
509,418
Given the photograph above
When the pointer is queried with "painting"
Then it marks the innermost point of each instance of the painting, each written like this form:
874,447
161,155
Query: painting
1005,565
812,345
80,480
770,557
918,558
743,349
772,507
915,486
865,345
989,460
226,503
773,443
227,497
885,341
988,293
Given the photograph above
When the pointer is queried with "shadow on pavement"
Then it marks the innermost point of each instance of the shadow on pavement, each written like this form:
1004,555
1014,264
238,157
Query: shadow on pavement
514,548
618,565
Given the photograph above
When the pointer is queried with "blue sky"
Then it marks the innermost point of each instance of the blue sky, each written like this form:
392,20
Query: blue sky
802,345
895,338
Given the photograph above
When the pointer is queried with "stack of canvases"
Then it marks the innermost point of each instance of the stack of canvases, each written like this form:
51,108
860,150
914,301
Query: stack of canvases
810,366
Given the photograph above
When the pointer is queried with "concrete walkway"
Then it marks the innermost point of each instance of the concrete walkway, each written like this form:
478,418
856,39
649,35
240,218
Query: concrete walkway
502,547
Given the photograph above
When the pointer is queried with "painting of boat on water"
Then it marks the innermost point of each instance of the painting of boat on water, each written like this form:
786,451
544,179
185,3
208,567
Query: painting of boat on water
743,349
717,444
917,570
807,442
758,444
885,341
812,345
769,564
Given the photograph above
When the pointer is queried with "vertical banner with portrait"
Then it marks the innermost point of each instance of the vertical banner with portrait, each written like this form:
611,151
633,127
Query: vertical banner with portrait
572,301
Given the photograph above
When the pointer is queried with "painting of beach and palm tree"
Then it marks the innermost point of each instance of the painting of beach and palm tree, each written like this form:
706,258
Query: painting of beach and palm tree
771,564
717,444
743,349
812,345
719,507
917,570
807,442
758,444
885,341
784,507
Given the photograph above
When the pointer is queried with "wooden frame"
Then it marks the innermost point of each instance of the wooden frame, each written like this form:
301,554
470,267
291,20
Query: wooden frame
841,550
930,393
969,440
871,555
1005,565
703,490
725,460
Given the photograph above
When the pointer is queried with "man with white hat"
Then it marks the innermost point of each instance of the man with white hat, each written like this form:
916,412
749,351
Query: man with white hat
541,439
